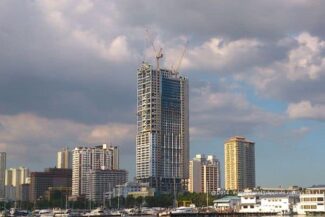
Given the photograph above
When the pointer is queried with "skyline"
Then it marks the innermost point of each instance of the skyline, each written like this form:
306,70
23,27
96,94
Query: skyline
68,78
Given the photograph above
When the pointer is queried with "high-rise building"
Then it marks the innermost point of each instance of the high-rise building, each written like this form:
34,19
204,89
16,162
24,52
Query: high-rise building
16,177
85,159
211,174
162,142
102,181
204,174
239,164
64,159
3,160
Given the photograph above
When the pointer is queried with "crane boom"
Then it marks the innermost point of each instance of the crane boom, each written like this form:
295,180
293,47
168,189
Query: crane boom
181,58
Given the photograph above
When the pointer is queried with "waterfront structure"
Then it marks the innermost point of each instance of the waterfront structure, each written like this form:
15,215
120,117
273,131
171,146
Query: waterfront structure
204,174
227,204
16,177
86,159
312,201
102,181
239,164
64,159
52,177
162,141
3,161
133,188
271,203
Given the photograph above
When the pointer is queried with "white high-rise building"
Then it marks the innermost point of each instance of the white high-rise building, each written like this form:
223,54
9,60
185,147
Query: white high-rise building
14,177
3,160
162,142
204,174
64,159
85,159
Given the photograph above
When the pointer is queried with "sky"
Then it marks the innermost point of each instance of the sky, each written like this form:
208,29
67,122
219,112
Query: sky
256,68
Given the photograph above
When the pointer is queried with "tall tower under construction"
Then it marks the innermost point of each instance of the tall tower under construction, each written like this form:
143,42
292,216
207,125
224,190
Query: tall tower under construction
162,142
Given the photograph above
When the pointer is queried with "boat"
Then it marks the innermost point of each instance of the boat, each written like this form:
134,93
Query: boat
95,212
17,212
45,213
183,209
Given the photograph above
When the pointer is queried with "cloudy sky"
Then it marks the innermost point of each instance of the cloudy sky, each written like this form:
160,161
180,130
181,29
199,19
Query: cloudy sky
256,68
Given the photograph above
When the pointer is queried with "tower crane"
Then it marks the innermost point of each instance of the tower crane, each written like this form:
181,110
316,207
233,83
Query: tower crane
178,65
158,52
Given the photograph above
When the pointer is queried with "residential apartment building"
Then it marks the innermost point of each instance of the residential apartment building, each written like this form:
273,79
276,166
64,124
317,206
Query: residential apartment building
162,141
64,159
102,181
239,164
85,159
3,161
204,174
15,177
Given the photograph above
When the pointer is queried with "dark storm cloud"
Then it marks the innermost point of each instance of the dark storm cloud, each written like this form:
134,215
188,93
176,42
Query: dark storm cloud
235,19
41,73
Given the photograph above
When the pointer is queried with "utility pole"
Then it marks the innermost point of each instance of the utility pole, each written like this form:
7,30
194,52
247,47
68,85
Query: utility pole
118,199
175,199
207,186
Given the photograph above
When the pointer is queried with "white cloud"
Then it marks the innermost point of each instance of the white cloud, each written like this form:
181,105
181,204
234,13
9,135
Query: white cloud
25,136
305,61
111,47
217,54
305,109
84,6
224,114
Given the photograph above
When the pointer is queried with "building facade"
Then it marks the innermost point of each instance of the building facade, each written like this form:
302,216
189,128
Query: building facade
3,162
162,141
263,202
132,188
239,164
312,201
86,159
52,177
204,174
64,159
16,177
103,181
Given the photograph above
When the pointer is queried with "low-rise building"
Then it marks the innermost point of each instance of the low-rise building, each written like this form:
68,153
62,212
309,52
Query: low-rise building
133,188
272,203
52,177
227,204
312,201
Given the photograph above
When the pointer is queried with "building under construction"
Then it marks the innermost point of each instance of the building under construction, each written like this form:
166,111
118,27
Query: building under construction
162,143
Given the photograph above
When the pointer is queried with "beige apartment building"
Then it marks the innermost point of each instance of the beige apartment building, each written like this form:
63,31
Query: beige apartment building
64,159
239,164
204,174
